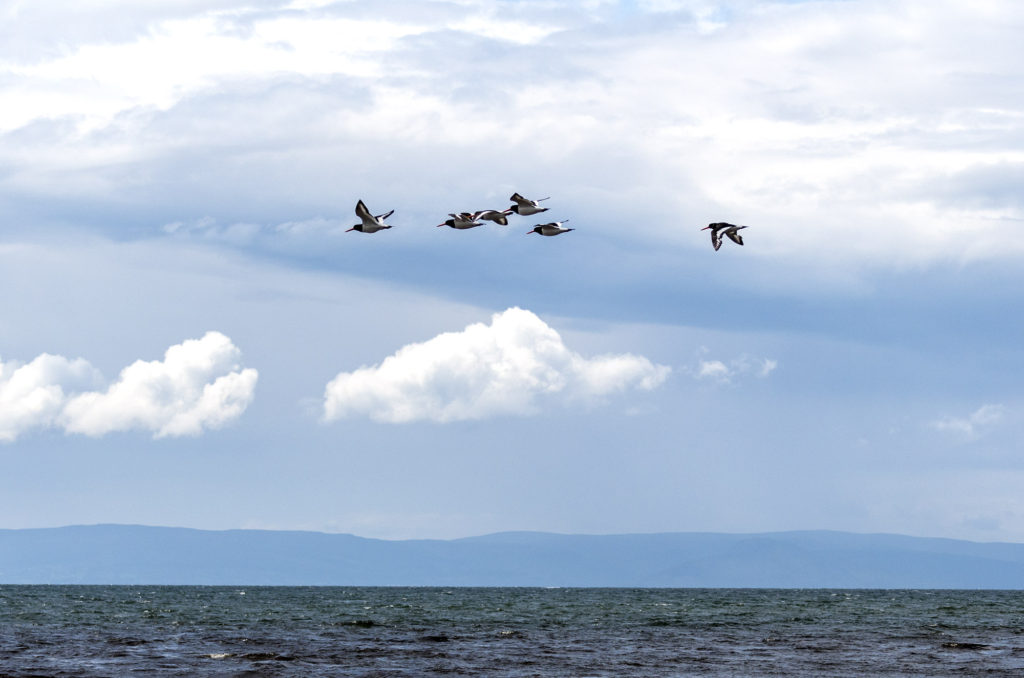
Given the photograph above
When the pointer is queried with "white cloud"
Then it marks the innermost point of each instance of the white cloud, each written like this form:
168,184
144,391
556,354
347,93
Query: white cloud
713,369
973,424
33,394
152,69
722,372
199,384
514,366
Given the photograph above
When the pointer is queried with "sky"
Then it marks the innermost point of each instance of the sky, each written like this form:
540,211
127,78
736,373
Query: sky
190,336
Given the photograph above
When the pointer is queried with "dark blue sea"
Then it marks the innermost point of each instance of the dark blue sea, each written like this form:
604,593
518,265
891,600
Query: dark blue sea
342,631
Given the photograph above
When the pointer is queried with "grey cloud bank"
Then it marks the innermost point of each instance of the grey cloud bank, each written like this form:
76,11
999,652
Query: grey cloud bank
777,114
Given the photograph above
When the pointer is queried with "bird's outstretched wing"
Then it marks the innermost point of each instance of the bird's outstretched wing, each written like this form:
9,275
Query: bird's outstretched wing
734,236
385,215
362,212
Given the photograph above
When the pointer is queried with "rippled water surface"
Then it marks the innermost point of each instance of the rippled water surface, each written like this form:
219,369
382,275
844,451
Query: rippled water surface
297,631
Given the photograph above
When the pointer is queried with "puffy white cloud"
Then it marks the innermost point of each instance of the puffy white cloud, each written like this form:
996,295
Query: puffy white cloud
973,424
513,366
199,384
33,394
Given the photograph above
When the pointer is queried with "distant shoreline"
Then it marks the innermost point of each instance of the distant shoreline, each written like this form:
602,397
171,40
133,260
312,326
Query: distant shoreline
165,556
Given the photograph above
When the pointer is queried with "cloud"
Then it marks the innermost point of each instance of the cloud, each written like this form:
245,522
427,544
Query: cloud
198,385
203,104
722,372
278,236
713,369
974,424
34,394
513,366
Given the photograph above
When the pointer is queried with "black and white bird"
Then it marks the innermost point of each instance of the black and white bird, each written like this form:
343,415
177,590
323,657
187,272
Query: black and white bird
370,224
720,228
525,206
497,216
462,221
554,228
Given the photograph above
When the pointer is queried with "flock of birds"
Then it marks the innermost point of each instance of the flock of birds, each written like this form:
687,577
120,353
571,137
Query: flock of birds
523,206
370,223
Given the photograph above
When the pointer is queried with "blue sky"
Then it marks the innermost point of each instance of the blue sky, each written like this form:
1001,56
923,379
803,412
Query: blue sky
189,337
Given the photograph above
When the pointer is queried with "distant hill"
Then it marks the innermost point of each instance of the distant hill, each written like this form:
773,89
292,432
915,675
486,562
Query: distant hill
129,554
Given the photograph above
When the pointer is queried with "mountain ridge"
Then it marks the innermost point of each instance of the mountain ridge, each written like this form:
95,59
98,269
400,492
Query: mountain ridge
147,555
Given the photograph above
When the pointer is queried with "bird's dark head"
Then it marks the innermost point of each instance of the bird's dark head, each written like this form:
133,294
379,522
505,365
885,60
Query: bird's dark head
450,222
535,229
357,227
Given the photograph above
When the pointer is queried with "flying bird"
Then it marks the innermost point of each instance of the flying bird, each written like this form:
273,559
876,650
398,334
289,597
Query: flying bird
371,224
554,228
525,206
720,228
497,216
462,221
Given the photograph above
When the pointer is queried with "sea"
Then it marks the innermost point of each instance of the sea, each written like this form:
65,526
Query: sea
392,631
